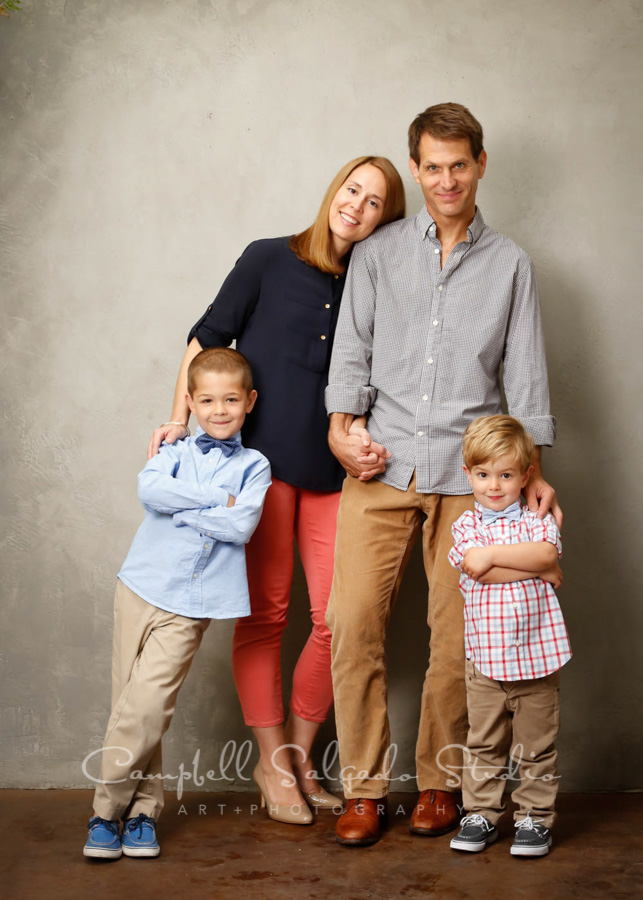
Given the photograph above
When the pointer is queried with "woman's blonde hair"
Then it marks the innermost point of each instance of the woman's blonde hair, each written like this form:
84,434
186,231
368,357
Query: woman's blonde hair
491,437
314,245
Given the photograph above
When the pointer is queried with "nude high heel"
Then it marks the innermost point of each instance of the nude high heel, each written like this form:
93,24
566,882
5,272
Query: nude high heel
321,799
299,814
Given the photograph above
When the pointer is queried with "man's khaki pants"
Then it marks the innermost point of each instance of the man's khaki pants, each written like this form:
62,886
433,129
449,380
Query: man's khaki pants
516,719
377,525
153,651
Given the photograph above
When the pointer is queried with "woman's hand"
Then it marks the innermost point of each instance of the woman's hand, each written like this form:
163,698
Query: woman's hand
167,433
180,411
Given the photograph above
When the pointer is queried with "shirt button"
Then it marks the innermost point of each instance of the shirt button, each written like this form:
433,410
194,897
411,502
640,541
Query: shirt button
336,277
327,306
426,397
439,287
420,433
207,547
196,575
437,250
435,322
323,337
517,643
430,361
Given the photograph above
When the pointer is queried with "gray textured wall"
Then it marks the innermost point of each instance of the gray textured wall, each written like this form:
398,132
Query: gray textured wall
143,145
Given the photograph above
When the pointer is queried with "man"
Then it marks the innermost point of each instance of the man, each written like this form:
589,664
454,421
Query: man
434,305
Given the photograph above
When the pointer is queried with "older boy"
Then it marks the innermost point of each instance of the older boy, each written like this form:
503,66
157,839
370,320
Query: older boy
203,499
515,641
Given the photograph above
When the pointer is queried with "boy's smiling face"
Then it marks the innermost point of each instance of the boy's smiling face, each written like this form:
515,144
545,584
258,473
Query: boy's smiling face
220,403
497,483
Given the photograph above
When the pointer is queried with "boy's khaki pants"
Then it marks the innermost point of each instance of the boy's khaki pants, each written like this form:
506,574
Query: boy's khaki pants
153,651
516,719
377,525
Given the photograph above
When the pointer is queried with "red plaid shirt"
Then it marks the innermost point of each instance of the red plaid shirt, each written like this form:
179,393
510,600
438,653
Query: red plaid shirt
513,631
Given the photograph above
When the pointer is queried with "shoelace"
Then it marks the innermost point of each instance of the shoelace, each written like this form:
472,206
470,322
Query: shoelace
528,824
138,822
475,819
111,826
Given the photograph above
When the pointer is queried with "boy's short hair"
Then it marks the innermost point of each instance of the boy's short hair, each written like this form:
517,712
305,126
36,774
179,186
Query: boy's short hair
220,359
491,437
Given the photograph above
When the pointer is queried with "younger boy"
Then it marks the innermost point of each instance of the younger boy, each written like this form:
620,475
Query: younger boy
203,498
515,641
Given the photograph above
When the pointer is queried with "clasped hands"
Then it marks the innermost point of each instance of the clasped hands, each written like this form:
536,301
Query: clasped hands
352,445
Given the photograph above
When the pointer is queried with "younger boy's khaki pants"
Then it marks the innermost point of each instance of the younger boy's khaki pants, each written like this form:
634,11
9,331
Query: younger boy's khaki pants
153,651
517,720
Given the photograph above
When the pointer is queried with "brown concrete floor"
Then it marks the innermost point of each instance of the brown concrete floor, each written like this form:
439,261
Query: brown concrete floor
219,846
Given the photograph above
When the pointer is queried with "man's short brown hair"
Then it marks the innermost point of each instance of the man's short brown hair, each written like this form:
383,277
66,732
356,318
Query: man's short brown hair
445,121
220,359
491,437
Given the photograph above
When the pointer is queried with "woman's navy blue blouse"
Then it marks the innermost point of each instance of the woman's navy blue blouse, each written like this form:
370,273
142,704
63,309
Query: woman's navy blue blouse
282,313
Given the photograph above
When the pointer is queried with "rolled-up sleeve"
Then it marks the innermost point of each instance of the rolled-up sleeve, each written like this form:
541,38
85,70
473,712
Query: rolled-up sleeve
225,319
545,530
524,363
465,536
349,389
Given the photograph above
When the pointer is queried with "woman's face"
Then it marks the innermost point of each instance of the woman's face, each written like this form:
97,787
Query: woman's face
357,207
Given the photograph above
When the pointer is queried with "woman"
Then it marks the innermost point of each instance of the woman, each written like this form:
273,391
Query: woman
280,303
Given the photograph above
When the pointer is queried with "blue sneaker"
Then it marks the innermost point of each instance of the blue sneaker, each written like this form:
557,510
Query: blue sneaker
103,840
139,837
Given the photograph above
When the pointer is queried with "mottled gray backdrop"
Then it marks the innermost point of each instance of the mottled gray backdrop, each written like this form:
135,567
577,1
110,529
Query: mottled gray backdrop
143,144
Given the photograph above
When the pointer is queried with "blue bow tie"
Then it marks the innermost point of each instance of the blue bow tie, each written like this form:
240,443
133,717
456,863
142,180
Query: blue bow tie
205,443
513,512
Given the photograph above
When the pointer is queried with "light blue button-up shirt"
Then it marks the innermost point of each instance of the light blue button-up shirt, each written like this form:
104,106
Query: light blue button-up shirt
188,555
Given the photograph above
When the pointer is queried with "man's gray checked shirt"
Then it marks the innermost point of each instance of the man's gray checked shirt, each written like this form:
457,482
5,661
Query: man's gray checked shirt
419,348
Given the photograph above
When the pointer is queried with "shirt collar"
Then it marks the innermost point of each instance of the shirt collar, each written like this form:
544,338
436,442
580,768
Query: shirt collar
425,220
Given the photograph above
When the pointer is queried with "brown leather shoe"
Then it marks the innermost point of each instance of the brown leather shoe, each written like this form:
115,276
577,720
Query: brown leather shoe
359,824
436,812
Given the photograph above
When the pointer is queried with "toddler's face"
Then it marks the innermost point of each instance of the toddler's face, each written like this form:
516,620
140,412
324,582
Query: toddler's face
497,483
220,403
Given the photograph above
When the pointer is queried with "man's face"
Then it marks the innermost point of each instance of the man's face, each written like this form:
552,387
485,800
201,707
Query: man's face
448,175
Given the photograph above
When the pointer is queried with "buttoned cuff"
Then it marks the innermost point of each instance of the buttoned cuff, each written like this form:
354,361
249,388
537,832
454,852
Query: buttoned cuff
345,398
541,428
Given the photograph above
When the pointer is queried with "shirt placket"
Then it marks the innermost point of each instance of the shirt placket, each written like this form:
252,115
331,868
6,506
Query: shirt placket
208,470
439,278
331,302
514,619
520,607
